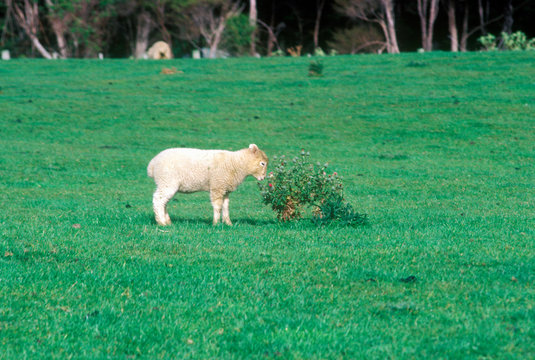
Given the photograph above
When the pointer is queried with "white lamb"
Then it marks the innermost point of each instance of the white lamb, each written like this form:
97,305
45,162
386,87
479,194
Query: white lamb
160,50
190,170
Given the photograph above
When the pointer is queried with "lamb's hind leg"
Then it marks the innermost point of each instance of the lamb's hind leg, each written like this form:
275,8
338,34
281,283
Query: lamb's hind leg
159,203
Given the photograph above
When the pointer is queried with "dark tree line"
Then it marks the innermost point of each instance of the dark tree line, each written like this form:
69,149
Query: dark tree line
126,28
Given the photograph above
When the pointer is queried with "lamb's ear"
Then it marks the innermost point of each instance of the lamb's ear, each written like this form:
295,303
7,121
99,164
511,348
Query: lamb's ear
253,148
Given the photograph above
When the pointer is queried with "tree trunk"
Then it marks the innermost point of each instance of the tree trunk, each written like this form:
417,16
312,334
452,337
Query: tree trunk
392,42
60,38
464,33
508,17
386,33
422,13
271,34
6,22
319,10
144,26
28,21
39,47
216,39
300,24
253,17
433,12
454,36
59,27
482,16
428,11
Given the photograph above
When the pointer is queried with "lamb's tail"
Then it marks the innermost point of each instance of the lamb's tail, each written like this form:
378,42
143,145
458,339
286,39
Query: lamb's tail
150,169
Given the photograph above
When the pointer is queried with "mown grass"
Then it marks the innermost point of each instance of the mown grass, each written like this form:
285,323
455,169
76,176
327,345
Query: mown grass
440,156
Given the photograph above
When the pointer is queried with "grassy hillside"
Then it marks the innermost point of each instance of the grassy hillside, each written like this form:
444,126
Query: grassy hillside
438,149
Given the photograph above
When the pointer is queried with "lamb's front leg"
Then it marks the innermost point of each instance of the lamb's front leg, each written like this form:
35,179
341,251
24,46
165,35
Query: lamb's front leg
217,203
226,213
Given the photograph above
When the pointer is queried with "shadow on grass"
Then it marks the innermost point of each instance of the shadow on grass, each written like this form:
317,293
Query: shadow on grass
200,221
301,224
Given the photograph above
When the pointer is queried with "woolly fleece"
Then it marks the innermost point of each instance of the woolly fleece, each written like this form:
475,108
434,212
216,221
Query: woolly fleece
188,170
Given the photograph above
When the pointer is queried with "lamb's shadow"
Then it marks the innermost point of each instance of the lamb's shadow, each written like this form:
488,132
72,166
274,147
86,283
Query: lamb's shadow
177,220
249,221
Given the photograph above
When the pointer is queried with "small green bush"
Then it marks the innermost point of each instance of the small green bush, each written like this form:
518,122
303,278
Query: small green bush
319,52
515,42
298,184
315,68
488,42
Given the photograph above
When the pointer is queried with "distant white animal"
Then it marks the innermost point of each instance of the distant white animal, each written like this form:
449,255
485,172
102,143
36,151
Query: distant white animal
190,170
160,50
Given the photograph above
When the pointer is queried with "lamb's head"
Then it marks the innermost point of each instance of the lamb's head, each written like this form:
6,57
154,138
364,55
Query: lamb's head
257,162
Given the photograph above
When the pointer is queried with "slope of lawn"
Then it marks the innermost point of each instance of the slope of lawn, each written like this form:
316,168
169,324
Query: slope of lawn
437,149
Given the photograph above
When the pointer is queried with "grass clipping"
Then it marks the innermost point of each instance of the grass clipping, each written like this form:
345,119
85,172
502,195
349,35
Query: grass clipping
298,187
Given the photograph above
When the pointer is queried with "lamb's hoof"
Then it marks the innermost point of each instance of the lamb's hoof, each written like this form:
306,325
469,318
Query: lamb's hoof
164,223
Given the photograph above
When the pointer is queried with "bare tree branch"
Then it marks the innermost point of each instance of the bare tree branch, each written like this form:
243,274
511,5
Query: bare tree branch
271,33
376,11
28,20
210,20
372,43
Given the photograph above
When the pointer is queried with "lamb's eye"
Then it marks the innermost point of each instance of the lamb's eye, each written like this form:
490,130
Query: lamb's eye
262,163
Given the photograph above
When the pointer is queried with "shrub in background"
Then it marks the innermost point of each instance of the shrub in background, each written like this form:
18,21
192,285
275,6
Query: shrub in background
515,41
488,42
315,68
365,38
320,53
237,35
297,185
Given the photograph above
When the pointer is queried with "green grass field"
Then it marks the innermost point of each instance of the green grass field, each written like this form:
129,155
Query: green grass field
437,149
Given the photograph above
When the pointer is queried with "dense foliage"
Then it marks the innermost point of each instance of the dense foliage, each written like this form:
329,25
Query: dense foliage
514,42
123,28
298,183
